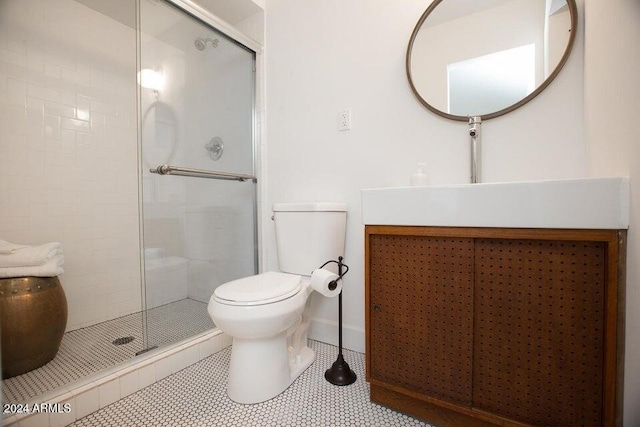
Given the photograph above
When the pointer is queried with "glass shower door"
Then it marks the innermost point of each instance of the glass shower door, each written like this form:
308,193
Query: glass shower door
197,155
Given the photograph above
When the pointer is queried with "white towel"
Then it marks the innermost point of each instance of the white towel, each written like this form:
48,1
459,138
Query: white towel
52,268
12,255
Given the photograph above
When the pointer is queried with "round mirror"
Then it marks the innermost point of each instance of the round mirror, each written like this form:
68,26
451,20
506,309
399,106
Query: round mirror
488,57
159,134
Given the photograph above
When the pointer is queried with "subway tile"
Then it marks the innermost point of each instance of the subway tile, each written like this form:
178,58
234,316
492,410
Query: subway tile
35,61
85,63
9,421
63,418
109,391
129,383
68,97
97,123
75,125
147,375
43,92
80,317
51,126
83,108
43,196
227,340
59,159
74,287
17,46
12,223
191,353
118,121
17,92
163,368
35,420
55,55
56,109
35,108
102,107
76,77
14,117
3,82
51,70
11,168
178,361
12,58
68,143
87,402
113,311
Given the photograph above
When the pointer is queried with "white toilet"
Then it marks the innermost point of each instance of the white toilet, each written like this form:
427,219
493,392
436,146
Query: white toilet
267,314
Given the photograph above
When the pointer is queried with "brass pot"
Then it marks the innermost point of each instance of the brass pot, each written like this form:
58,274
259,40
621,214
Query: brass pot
34,316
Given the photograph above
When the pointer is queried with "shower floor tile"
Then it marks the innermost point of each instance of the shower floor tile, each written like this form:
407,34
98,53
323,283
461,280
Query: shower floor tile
89,350
196,396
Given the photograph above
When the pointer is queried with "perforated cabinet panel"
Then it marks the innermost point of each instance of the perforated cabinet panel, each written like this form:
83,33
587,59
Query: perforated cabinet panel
539,330
421,314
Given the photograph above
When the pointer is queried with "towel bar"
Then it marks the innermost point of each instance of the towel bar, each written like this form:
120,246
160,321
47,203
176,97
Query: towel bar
201,173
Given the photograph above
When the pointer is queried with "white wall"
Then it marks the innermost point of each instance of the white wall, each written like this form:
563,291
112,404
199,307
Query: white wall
323,56
612,103
68,151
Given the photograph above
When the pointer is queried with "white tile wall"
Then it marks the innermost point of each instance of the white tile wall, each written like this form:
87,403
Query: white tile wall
146,376
166,280
63,418
129,383
68,150
109,391
36,420
87,400
163,368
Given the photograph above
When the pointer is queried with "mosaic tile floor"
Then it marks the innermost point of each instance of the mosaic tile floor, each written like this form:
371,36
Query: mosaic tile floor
196,396
89,350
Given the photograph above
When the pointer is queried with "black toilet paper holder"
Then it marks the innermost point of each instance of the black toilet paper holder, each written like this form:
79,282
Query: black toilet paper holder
339,373
334,283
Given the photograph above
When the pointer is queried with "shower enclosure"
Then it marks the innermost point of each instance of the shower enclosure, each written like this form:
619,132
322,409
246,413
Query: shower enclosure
126,134
199,192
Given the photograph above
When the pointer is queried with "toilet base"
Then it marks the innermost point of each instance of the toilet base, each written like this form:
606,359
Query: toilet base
262,369
301,362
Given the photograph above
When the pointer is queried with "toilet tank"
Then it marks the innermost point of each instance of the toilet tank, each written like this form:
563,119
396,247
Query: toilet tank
308,235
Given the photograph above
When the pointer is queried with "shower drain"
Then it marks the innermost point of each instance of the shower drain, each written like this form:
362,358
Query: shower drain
123,340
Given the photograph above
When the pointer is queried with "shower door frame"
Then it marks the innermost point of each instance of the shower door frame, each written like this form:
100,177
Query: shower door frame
206,18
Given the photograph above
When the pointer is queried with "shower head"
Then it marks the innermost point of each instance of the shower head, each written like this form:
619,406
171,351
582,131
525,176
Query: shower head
201,44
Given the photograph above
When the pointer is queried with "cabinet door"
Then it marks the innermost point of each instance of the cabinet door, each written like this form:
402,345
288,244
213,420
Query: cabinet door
421,314
539,330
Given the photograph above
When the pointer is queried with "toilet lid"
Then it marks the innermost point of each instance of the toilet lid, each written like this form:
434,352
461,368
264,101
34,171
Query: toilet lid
263,288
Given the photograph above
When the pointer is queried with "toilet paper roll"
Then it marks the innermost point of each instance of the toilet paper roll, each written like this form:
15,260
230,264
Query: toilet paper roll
320,280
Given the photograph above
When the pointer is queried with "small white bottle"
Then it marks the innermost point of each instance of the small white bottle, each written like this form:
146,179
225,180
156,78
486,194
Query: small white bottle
419,179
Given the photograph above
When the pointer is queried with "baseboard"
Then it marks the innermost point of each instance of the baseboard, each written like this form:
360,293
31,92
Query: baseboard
327,331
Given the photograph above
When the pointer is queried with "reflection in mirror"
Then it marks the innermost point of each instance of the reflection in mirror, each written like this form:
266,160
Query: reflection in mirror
486,58
159,134
491,82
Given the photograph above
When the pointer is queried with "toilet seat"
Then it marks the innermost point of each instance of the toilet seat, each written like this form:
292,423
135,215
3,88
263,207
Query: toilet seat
265,288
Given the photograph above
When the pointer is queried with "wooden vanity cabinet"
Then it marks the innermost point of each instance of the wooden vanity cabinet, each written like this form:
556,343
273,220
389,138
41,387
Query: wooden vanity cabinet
480,326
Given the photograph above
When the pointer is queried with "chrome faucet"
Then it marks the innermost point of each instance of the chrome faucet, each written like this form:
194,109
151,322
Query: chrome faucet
475,123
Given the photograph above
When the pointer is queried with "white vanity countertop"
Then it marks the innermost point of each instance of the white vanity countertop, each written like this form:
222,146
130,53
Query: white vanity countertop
590,203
